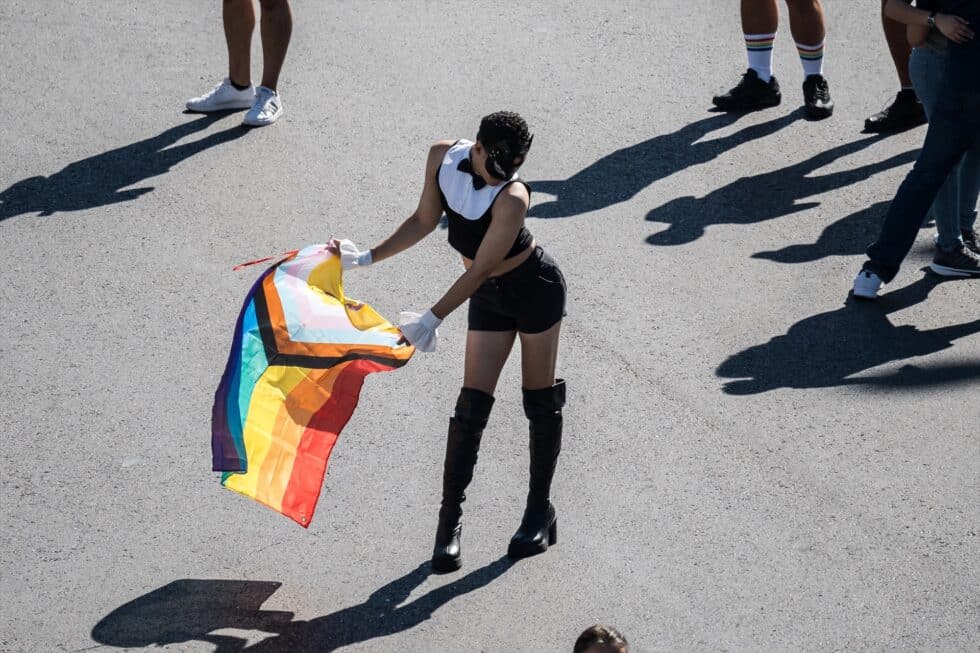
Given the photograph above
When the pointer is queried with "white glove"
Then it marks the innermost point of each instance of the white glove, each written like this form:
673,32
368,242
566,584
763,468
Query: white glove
351,257
420,330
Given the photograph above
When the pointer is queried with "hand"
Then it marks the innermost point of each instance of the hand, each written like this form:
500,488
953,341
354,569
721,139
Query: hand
419,330
350,256
954,28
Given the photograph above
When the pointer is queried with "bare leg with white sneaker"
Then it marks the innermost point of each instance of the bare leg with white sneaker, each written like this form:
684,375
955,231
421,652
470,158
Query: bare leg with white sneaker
236,91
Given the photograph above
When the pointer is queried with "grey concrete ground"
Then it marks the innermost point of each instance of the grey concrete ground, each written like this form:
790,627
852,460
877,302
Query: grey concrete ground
750,463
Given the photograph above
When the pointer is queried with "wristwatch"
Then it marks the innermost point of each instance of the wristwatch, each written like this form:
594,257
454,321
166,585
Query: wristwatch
931,20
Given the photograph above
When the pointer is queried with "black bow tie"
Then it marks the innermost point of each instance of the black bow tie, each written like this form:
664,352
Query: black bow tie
466,166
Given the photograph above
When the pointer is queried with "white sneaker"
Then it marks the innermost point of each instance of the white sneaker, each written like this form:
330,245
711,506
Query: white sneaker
866,285
266,109
223,97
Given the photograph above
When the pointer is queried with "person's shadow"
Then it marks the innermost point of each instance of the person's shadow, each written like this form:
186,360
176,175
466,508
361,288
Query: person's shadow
849,235
100,180
619,176
765,196
826,349
192,610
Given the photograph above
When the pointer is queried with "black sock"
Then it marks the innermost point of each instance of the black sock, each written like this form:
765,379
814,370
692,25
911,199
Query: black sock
239,86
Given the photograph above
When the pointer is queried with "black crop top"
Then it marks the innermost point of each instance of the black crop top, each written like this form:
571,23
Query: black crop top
469,210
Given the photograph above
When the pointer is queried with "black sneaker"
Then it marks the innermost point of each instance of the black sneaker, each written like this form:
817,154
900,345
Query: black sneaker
959,261
971,241
904,113
816,98
750,94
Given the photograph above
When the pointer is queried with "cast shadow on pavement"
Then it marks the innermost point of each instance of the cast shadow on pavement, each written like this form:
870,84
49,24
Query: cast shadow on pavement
770,195
826,349
193,610
848,236
99,180
619,176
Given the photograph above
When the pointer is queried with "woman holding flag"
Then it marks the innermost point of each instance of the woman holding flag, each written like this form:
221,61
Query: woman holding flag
515,291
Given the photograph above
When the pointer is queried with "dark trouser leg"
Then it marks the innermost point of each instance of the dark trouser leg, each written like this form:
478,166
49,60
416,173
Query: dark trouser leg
462,445
952,131
539,528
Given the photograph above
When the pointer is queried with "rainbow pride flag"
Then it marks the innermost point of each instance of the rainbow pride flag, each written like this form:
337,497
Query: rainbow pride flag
299,355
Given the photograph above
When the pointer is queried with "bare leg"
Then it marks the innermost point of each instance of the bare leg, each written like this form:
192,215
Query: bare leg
806,21
486,353
277,27
239,20
539,355
759,16
898,45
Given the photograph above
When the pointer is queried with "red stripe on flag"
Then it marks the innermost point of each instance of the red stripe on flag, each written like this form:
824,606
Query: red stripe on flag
318,439
279,258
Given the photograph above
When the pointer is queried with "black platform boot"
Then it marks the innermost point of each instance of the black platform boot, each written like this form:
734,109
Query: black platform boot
539,528
465,430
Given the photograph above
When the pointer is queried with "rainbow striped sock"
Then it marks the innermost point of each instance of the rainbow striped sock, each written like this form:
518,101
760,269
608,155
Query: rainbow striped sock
811,56
759,49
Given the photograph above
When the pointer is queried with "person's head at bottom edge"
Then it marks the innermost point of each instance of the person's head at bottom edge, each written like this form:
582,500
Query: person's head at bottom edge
601,639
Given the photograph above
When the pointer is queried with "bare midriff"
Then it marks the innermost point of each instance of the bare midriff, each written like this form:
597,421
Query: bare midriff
507,264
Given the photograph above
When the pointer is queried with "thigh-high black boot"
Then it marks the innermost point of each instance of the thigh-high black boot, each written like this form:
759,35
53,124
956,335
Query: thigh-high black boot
465,430
539,528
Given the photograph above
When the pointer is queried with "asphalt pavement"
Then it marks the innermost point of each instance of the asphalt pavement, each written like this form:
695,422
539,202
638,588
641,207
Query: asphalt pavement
751,460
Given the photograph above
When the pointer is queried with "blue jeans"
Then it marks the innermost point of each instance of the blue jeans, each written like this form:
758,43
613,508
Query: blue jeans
953,131
955,207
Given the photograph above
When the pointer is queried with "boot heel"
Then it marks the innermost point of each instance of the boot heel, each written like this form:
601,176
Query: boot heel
553,533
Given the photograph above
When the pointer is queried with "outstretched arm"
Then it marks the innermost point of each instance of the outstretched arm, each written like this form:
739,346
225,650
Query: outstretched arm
507,218
426,216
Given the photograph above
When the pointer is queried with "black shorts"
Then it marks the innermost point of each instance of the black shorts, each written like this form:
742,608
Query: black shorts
530,298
